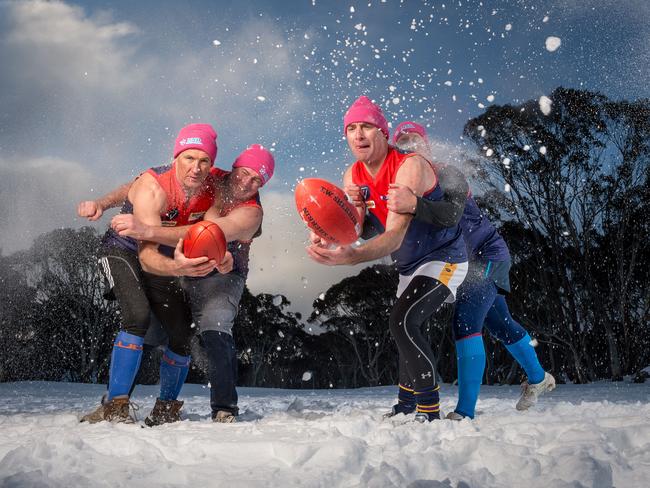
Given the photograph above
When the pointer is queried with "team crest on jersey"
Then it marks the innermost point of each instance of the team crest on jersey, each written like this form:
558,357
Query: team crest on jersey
168,223
196,215
365,193
172,214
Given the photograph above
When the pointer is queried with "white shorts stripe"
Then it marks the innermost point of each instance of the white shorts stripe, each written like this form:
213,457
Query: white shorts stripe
107,272
453,274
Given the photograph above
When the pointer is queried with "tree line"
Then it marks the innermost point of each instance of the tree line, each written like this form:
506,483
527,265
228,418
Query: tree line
569,191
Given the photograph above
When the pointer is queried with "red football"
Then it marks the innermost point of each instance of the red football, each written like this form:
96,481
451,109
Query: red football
205,238
326,210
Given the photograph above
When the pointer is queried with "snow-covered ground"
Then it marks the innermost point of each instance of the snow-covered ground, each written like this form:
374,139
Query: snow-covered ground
596,435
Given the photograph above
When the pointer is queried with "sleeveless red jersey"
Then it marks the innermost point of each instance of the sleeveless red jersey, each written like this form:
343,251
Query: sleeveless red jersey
423,242
179,209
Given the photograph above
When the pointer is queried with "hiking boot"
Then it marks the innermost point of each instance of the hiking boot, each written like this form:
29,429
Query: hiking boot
530,393
399,408
115,410
164,412
223,417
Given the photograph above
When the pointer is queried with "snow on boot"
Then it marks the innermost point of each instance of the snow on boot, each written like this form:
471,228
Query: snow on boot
223,417
164,412
424,417
115,410
455,416
399,408
530,393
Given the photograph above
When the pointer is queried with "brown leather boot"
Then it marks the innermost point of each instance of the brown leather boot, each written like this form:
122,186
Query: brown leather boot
223,417
164,411
115,410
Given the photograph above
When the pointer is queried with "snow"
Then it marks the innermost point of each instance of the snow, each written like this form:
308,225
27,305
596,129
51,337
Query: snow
545,104
579,435
552,43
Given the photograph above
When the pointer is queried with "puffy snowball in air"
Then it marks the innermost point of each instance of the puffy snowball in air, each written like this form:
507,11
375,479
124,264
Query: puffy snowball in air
545,104
552,43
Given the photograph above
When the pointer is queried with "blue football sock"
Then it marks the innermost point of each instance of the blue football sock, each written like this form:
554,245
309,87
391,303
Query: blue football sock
471,364
173,371
526,356
125,362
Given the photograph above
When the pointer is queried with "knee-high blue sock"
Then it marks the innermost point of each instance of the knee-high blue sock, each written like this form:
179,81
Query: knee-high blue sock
526,356
471,364
125,362
173,371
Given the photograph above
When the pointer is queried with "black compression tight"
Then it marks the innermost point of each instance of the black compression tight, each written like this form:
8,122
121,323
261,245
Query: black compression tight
421,298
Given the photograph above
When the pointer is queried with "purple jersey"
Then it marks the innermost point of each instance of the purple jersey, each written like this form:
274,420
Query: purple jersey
482,239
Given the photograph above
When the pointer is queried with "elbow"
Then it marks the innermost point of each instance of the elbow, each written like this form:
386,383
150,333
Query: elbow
453,219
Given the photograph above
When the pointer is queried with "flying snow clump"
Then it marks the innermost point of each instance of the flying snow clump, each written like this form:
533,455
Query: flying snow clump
545,104
552,43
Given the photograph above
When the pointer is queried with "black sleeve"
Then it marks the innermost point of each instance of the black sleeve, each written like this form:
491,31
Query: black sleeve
448,211
369,231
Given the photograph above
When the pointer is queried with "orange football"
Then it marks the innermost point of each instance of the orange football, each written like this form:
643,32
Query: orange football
325,209
205,238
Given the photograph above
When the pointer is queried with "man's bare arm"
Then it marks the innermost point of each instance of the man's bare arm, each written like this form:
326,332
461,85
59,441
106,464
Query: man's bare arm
94,209
240,224
148,199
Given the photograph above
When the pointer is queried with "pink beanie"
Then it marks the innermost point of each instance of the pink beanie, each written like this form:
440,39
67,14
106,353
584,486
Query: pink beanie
258,159
408,127
363,110
197,136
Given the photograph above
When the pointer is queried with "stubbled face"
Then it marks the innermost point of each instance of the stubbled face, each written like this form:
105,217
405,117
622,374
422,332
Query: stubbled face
412,142
244,183
192,168
367,142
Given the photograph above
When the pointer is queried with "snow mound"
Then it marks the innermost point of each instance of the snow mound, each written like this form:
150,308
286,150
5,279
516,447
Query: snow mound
593,435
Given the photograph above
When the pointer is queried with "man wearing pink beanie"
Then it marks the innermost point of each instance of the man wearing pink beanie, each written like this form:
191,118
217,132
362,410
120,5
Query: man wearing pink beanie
259,159
175,195
363,110
431,260
214,297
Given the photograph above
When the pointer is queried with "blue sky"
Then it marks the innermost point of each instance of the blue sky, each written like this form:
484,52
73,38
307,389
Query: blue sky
91,93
